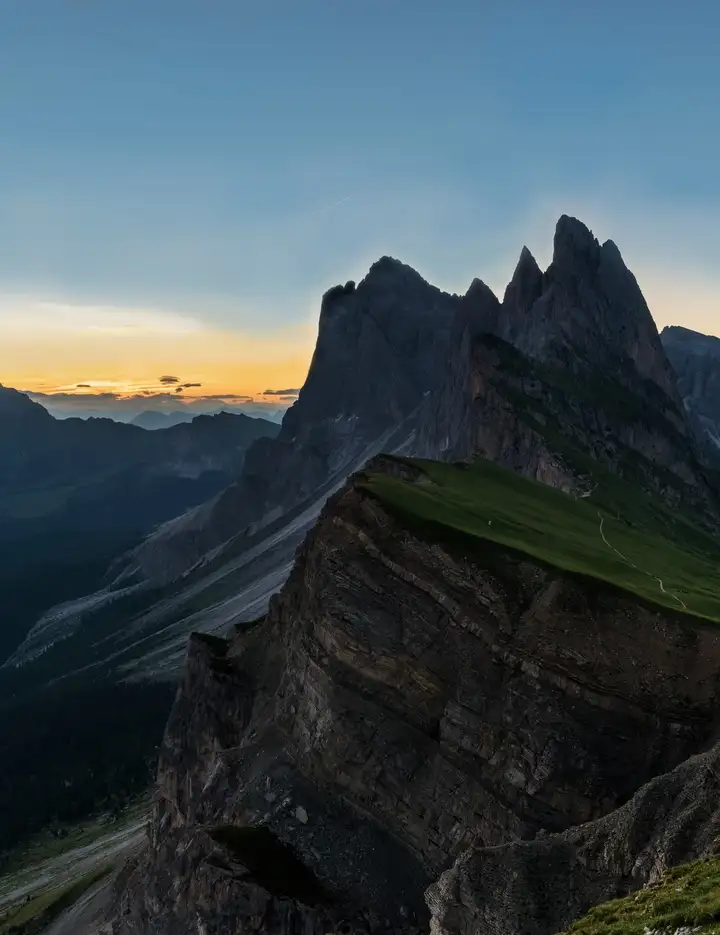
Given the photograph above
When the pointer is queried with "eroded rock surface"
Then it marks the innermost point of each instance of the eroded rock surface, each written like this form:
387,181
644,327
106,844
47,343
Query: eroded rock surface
540,887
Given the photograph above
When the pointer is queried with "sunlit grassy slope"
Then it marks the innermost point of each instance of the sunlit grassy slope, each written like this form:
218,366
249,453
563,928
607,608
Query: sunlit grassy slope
687,899
469,505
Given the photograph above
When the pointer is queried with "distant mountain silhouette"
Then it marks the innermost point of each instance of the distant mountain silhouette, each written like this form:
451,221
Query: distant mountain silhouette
74,493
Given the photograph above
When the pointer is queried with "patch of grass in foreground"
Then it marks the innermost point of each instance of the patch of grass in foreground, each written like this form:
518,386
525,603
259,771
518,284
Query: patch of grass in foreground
36,915
467,506
688,896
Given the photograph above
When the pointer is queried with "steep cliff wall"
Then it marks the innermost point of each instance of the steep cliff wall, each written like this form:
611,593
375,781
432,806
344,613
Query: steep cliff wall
403,701
541,887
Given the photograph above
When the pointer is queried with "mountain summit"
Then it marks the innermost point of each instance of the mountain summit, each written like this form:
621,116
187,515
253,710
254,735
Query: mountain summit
586,307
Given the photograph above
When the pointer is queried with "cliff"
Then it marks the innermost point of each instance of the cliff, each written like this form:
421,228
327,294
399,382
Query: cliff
423,685
543,886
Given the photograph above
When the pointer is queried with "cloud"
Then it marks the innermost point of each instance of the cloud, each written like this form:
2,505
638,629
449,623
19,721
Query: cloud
179,389
290,392
188,386
169,379
83,386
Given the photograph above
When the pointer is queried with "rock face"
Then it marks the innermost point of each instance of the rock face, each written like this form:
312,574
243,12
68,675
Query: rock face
696,361
380,349
400,704
569,365
586,308
541,887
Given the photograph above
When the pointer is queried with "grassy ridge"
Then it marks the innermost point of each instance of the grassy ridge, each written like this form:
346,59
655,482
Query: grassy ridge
474,504
688,897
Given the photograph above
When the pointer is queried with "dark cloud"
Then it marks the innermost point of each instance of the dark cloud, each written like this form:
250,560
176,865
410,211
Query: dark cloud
179,389
287,399
83,386
168,380
290,392
188,386
247,399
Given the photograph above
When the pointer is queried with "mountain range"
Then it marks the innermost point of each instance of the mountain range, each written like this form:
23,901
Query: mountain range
74,493
135,409
479,696
158,419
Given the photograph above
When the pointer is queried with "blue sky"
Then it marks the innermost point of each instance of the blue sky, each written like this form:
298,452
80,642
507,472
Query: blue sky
224,162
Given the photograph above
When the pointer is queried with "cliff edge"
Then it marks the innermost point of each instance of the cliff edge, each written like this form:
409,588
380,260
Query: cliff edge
432,680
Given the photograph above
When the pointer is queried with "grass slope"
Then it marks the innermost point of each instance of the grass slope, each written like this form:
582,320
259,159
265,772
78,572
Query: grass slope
687,898
645,543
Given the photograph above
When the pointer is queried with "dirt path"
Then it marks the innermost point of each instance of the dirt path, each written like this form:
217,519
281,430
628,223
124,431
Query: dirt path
633,565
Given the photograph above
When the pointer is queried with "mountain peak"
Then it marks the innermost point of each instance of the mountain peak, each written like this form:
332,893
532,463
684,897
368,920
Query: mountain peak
692,342
389,272
478,291
526,283
575,247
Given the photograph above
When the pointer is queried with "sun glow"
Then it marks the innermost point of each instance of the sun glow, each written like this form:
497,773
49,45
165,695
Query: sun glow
54,347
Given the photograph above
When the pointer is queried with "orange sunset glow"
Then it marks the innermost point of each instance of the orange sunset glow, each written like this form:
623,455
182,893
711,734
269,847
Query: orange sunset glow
93,351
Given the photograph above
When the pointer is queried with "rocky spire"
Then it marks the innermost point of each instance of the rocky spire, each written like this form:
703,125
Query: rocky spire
576,251
526,283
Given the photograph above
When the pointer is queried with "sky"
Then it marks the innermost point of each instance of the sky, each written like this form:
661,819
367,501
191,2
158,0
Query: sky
181,180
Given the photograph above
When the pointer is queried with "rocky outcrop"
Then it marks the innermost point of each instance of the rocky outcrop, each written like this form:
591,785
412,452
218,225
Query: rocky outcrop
402,702
541,887
696,360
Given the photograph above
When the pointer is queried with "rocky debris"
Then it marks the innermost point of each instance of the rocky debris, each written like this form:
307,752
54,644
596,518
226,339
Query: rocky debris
414,703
